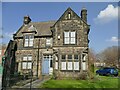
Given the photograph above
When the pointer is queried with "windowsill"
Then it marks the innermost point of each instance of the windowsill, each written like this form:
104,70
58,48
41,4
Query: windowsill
26,69
70,70
69,44
28,46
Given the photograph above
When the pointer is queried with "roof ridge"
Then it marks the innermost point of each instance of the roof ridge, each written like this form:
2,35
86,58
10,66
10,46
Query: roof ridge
45,21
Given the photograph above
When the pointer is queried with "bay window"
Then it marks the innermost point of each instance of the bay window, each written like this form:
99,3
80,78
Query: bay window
70,62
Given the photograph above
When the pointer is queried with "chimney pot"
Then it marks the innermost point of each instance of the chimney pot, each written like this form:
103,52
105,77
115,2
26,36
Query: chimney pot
84,14
26,20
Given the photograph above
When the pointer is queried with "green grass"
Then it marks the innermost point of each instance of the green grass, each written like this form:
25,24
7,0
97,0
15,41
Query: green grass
99,82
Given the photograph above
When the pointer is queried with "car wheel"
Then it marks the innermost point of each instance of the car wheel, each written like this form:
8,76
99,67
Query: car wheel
115,75
108,74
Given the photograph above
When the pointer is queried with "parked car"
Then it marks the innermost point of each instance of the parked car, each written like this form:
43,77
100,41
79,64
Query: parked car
107,71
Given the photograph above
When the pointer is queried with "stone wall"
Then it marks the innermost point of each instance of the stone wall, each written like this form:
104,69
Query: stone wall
36,59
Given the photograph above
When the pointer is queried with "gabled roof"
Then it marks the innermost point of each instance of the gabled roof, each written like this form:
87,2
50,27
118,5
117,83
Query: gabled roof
41,28
10,46
69,9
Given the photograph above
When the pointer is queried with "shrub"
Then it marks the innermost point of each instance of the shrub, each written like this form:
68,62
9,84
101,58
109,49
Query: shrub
83,76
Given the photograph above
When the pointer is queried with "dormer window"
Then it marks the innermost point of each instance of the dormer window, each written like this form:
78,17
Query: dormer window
28,42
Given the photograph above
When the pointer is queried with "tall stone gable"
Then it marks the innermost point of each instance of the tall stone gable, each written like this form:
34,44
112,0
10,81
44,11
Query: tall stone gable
71,22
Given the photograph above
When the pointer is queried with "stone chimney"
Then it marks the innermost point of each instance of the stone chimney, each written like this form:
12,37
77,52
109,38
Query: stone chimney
26,20
84,14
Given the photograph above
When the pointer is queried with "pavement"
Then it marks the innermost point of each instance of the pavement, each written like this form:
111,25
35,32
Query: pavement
35,84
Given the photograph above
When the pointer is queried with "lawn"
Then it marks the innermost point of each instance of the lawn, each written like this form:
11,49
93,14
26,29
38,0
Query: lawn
99,82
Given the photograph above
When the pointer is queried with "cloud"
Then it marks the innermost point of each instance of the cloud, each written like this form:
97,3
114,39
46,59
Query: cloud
107,15
113,39
8,35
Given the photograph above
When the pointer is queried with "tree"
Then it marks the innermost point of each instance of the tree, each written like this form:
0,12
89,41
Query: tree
109,56
91,61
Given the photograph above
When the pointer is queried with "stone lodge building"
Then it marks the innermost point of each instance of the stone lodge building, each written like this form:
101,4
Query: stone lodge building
54,47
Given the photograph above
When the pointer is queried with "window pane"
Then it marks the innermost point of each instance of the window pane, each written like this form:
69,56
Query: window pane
51,65
69,15
63,65
29,65
63,57
24,65
76,57
69,65
31,42
26,43
84,65
70,57
83,57
56,65
25,58
31,37
76,65
73,34
72,41
30,58
48,41
56,58
66,40
50,56
66,34
26,37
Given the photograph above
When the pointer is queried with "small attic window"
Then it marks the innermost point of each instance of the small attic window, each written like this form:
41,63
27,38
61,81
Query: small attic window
69,15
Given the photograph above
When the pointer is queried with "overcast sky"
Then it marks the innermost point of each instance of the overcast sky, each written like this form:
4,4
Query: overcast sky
103,18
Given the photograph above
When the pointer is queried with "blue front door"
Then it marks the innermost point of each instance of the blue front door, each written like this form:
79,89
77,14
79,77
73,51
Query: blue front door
45,66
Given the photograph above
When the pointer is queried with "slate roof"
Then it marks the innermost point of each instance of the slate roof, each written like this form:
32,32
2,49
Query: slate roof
42,28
